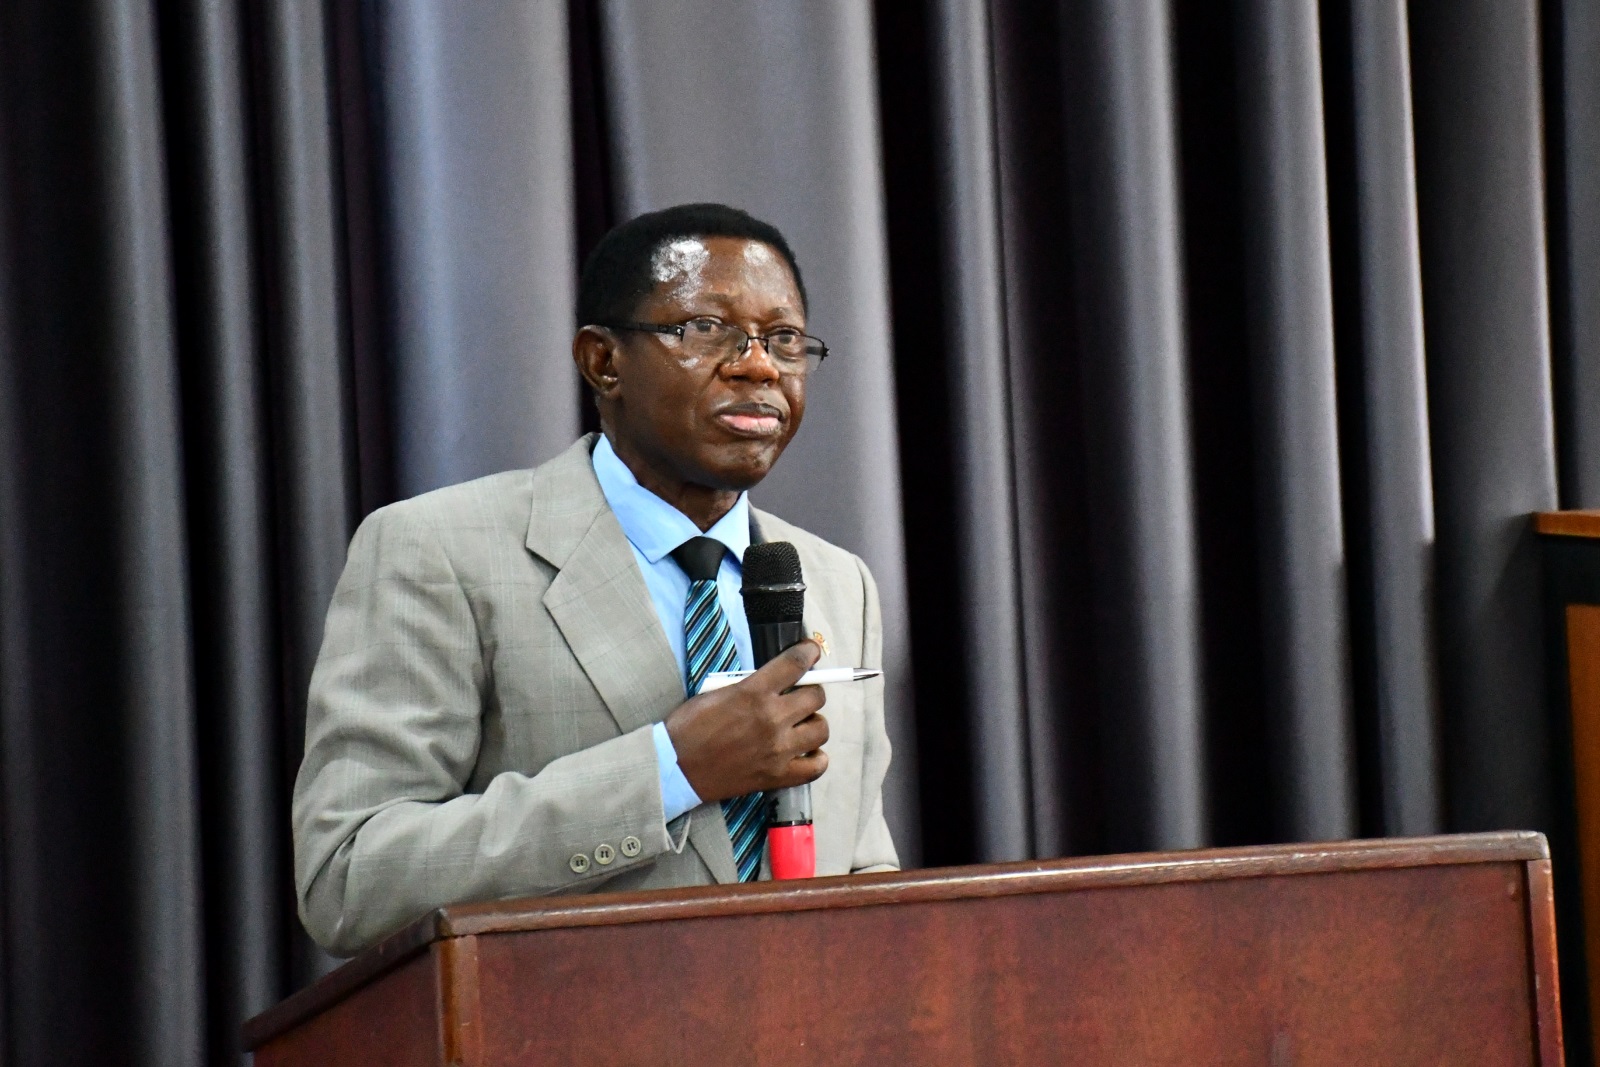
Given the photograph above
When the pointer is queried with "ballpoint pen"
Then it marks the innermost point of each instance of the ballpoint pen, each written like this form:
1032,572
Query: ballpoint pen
825,676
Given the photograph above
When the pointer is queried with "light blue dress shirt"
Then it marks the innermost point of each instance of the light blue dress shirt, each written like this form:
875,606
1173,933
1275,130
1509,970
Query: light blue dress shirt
654,528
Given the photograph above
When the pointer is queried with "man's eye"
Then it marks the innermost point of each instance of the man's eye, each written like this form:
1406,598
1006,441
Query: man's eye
785,337
702,326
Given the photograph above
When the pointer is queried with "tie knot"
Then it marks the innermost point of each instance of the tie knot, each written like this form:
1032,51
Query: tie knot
699,557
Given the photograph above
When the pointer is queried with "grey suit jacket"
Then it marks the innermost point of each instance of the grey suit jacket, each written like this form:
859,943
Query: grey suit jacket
479,717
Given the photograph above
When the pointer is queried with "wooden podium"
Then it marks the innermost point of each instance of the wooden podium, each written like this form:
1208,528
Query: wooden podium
1570,543
1422,951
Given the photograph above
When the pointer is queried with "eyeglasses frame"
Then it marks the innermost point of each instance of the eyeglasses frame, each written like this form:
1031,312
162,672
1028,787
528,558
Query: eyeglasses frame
679,331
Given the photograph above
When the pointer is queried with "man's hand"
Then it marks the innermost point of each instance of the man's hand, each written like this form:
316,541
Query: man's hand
753,735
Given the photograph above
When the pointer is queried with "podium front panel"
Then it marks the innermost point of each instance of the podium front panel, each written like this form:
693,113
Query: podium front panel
1424,952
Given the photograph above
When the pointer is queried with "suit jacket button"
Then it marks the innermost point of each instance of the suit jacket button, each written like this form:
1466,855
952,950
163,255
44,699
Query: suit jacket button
631,846
579,863
604,854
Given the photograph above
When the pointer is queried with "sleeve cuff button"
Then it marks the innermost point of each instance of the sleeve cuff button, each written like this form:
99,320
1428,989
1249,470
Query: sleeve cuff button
631,846
579,863
604,854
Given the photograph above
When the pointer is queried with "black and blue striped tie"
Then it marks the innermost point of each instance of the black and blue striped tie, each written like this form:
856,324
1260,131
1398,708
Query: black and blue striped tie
708,646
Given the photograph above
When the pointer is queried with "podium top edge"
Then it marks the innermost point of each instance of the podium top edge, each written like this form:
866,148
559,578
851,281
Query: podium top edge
887,888
988,880
1568,523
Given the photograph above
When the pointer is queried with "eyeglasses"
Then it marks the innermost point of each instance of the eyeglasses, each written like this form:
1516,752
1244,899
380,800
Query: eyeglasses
794,352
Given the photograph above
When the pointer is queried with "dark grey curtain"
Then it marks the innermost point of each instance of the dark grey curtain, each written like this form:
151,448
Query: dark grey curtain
1198,365
474,171
176,495
1276,289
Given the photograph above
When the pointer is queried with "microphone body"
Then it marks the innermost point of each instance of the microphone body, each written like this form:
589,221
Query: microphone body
774,598
768,640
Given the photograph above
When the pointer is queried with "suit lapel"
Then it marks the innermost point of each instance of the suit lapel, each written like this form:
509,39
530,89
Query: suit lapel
600,603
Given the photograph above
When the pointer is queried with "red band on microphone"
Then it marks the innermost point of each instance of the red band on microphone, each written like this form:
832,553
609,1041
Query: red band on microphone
793,851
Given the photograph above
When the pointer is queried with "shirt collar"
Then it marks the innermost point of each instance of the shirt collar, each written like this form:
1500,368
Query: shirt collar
654,526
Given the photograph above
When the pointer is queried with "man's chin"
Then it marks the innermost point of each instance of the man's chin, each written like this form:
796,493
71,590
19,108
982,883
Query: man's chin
741,465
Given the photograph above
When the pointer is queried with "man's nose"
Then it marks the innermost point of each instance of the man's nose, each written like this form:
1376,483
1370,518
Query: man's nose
754,363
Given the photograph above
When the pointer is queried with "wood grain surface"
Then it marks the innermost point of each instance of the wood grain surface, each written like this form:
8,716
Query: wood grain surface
394,1022
1583,677
1546,967
602,909
1435,950
1399,967
1568,523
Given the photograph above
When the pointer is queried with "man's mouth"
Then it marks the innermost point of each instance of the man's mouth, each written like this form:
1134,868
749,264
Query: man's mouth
752,420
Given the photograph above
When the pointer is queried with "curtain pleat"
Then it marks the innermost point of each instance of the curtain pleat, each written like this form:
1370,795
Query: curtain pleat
1130,303
1386,460
1047,411
1572,61
1480,200
238,692
1289,311
475,159
161,908
305,343
102,899
176,501
982,488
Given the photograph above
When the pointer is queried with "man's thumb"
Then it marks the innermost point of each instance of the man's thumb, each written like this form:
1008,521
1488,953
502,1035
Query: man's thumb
786,669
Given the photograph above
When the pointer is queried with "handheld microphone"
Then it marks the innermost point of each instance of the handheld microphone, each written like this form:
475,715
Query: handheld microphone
774,603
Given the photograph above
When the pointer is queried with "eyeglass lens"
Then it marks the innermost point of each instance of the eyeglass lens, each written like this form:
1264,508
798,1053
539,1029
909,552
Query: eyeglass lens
790,349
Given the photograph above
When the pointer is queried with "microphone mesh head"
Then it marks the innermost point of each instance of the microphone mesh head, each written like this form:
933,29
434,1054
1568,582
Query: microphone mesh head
773,588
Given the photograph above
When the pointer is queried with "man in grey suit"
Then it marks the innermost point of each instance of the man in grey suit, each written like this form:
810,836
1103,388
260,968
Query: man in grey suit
503,705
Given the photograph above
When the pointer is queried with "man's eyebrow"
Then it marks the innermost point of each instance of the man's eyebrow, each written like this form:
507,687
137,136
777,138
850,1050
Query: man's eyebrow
727,299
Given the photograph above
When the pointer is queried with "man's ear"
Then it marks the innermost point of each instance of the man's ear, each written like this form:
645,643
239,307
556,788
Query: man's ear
594,350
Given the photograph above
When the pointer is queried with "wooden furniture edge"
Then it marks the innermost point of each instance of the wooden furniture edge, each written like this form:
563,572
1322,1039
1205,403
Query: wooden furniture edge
460,1010
994,880
1545,984
889,887
343,980
1568,523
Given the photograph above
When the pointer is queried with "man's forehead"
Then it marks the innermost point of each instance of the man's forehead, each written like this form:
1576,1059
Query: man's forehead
684,255
729,298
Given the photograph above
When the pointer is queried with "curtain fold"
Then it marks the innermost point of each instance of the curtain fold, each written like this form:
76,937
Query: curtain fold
1126,236
1047,412
1386,460
225,430
305,341
177,500
102,901
982,487
160,912
1572,63
474,147
1289,311
1480,198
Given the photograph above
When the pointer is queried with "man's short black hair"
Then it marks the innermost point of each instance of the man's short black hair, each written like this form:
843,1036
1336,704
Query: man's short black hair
616,276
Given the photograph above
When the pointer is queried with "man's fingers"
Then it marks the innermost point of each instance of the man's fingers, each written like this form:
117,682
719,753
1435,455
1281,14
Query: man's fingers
785,669
810,735
808,768
800,704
